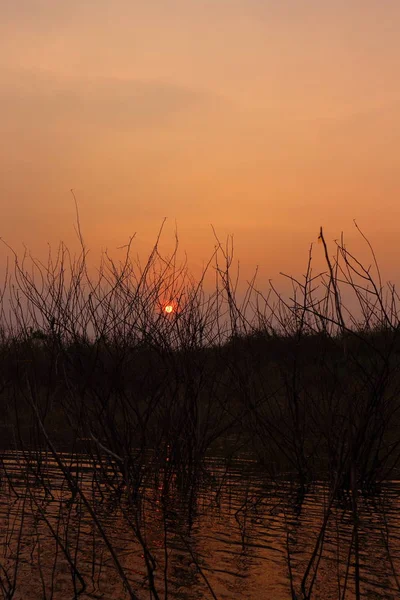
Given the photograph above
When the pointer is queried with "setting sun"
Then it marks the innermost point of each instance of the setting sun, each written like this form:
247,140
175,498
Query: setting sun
169,309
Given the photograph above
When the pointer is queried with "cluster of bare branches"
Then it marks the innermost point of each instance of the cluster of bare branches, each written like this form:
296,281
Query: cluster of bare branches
96,376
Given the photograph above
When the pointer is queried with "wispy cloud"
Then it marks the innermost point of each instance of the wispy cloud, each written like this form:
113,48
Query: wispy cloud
101,101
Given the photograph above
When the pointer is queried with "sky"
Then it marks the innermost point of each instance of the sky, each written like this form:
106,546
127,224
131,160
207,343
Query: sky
264,118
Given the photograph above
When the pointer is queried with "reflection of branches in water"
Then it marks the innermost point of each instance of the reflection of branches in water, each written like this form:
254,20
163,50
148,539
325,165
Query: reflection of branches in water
379,507
257,509
12,544
198,566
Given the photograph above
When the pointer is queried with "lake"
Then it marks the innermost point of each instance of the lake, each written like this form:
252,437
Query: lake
233,533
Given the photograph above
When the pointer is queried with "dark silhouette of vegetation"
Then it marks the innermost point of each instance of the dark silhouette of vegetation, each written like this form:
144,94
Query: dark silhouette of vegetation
94,367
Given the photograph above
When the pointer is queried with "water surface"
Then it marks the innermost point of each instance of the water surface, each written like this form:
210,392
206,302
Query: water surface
237,534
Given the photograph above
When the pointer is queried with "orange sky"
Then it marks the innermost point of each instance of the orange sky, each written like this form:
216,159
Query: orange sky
266,118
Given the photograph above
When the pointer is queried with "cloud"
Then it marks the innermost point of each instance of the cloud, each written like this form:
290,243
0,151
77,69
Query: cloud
104,102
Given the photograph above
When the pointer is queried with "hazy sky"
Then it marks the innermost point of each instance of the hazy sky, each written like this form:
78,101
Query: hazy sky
267,118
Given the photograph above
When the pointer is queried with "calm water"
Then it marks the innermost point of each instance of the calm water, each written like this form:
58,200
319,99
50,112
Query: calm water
230,539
